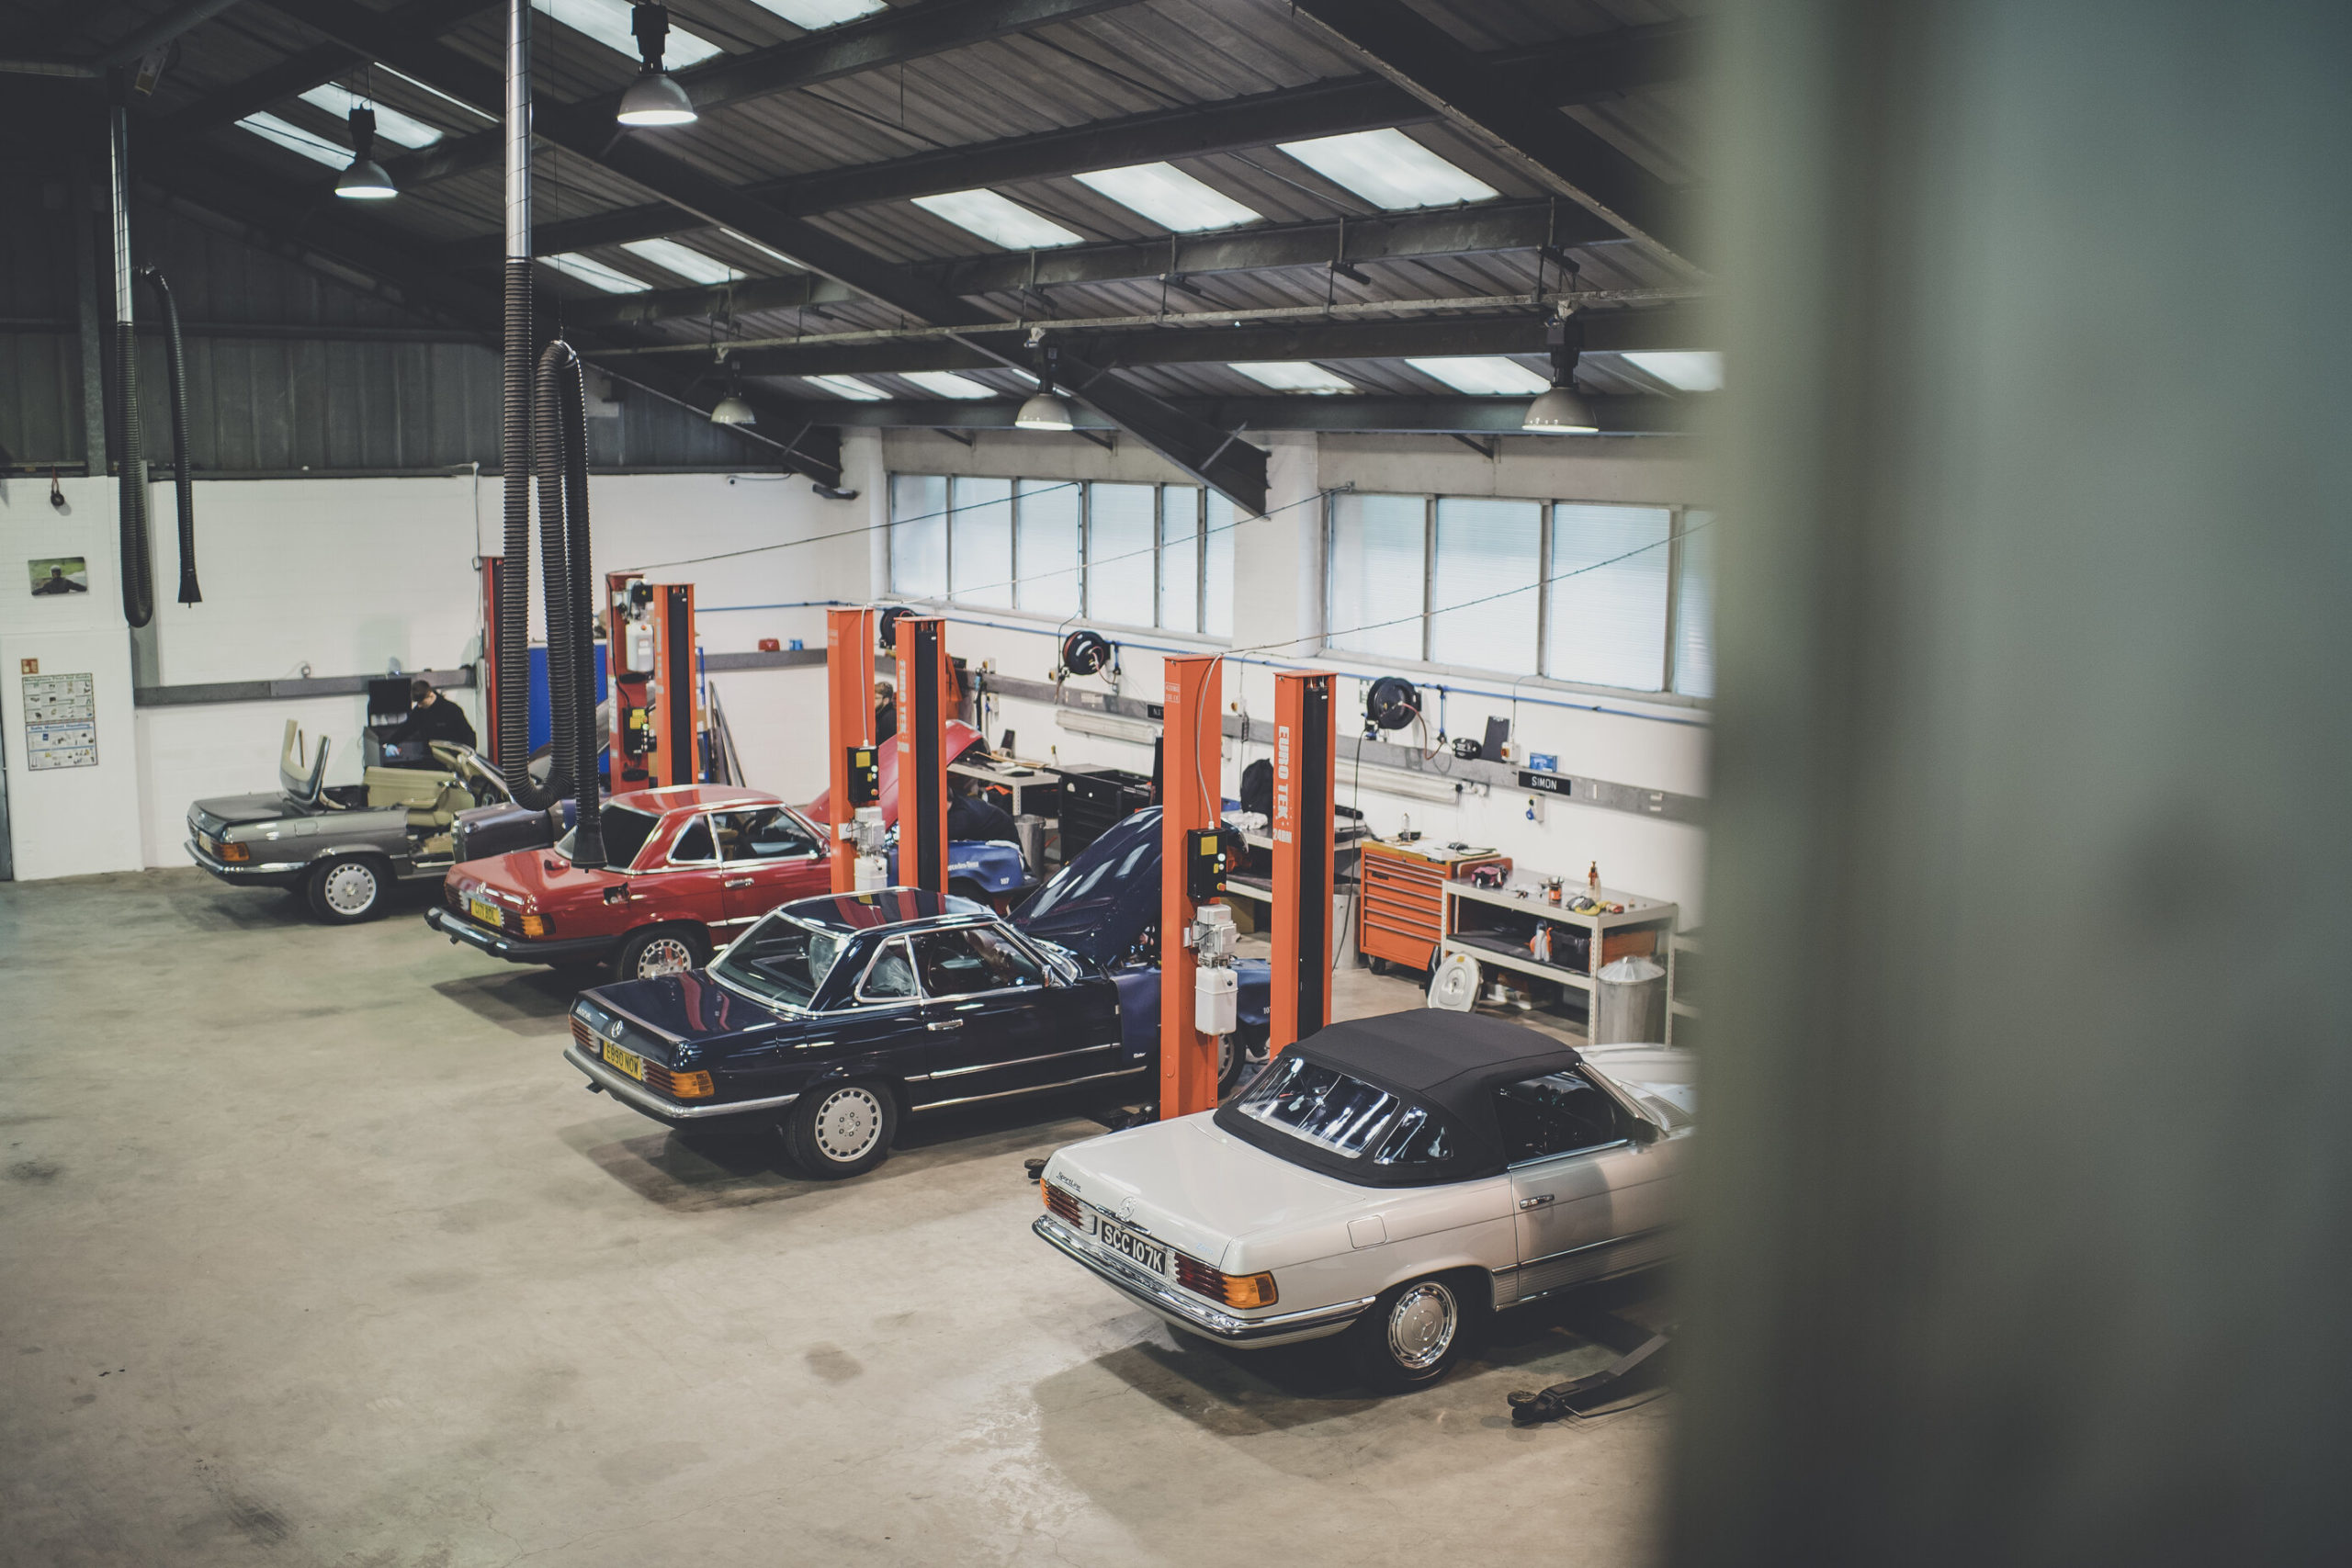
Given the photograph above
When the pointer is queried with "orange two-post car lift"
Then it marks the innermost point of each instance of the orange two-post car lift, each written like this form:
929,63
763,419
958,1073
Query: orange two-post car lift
1198,989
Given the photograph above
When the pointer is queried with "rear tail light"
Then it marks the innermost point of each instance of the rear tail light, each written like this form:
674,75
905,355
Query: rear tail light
679,1085
1063,1205
236,852
1232,1290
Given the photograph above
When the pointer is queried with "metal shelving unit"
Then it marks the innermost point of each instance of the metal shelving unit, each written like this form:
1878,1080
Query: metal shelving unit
1646,928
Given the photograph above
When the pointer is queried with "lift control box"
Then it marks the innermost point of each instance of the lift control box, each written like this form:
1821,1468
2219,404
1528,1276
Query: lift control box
1207,859
865,779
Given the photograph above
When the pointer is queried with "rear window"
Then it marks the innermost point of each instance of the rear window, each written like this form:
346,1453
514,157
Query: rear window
1324,1106
626,830
781,960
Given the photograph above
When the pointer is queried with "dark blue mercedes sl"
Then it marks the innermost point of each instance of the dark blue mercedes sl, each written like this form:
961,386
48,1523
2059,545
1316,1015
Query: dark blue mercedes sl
833,1018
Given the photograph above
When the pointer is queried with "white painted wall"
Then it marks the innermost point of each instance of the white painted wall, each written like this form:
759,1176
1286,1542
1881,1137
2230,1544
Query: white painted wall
67,821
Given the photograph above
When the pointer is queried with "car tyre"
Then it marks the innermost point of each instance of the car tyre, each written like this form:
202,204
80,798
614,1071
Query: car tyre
347,889
841,1129
1239,1054
1414,1333
660,950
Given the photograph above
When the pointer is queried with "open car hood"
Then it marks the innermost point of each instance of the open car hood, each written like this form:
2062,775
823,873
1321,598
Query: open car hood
1099,904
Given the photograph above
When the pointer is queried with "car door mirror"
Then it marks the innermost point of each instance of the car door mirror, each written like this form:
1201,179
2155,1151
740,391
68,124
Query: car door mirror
1646,1130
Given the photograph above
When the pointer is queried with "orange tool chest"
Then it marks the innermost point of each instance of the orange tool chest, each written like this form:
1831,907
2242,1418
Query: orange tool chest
1404,900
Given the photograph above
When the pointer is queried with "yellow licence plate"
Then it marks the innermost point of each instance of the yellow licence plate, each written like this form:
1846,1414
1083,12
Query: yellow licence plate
485,911
628,1062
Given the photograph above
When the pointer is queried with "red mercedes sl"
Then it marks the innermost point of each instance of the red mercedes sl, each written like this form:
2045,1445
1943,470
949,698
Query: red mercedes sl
687,866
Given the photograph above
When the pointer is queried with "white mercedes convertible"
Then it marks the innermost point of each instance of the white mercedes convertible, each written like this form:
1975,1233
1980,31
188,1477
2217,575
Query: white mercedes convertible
1395,1180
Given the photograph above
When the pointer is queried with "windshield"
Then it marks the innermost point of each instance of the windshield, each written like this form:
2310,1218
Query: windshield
1320,1104
626,830
781,960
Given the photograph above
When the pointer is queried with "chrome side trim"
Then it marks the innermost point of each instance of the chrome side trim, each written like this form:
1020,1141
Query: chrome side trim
620,1085
1162,1297
1022,1061
1033,1088
1556,1271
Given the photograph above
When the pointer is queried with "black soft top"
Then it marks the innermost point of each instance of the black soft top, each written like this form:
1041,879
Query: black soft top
1449,1062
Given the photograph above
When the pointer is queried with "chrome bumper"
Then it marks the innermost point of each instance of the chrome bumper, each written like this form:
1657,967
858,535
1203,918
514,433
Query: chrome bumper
623,1088
220,867
1150,1291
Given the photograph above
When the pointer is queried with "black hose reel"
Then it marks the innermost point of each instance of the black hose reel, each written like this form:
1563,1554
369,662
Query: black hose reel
1087,653
1392,704
887,623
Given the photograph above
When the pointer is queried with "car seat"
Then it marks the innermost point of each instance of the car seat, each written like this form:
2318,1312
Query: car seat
433,797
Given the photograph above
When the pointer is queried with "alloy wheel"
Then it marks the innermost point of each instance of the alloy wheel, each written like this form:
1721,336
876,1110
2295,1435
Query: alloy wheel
847,1124
1421,1326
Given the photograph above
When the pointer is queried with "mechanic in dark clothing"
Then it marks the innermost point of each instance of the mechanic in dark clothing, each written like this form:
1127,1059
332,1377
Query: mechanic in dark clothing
973,819
431,717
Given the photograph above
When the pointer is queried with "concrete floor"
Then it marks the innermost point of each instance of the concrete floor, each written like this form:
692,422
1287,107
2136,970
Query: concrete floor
315,1252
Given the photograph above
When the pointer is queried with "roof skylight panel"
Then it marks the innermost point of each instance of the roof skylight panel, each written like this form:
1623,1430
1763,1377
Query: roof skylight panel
607,21
948,384
1292,376
1686,370
294,139
595,274
683,260
1483,374
818,15
998,220
1169,197
404,130
848,386
1389,169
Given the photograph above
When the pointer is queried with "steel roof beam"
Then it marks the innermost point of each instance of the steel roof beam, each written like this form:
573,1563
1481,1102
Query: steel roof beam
1587,72
1606,332
1392,39
588,131
1452,232
1371,415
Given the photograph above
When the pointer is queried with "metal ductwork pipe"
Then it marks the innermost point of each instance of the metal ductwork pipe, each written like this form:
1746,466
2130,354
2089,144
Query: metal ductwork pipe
511,746
138,569
560,434
183,481
545,434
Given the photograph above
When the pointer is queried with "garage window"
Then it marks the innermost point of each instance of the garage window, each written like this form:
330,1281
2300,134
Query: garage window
979,542
1585,592
1129,554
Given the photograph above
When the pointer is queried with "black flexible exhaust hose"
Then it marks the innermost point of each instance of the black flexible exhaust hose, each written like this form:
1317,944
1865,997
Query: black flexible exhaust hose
512,743
183,481
559,429
138,569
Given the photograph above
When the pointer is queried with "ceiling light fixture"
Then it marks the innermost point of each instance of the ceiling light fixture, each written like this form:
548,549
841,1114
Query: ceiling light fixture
365,179
655,97
1043,411
1563,410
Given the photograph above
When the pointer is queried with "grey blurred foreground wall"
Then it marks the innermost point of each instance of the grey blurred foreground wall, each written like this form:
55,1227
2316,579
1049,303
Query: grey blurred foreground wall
2028,1235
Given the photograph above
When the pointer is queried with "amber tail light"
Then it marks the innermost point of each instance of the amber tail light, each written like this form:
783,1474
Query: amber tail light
535,925
1232,1290
679,1085
1063,1205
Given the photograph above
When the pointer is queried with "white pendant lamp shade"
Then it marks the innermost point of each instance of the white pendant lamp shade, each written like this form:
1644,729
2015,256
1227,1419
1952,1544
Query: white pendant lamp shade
1563,410
1043,411
366,180
655,99
733,410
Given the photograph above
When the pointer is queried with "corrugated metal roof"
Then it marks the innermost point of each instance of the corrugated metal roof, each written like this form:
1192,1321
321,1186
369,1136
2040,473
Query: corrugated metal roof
1148,56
